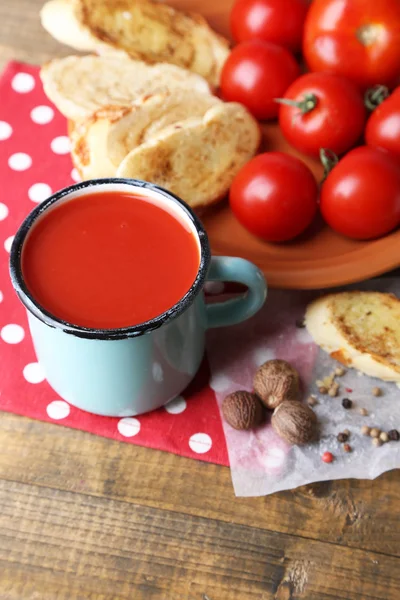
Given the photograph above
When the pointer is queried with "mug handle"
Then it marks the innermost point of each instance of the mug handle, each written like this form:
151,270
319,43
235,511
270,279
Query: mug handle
236,310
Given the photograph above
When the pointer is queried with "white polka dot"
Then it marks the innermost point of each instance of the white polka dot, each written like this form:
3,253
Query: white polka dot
128,427
158,373
61,145
200,443
58,409
19,161
275,457
33,373
8,243
1,297
23,83
220,383
214,287
75,175
3,211
5,130
42,115
12,334
176,406
39,192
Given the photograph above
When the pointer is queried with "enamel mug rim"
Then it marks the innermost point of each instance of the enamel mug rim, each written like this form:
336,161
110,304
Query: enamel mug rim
35,308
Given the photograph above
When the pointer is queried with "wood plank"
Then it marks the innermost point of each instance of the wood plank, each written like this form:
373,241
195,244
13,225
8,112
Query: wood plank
22,36
113,549
360,514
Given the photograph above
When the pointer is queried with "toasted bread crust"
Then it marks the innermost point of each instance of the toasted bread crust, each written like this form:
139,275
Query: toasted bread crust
360,330
382,340
197,158
80,85
141,29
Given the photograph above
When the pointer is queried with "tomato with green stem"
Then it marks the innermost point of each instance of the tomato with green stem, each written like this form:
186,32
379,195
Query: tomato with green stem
359,39
383,126
322,110
360,196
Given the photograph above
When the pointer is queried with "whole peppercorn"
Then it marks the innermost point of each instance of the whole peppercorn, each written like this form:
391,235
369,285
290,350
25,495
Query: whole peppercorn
347,432
377,391
384,437
363,412
347,403
342,437
327,457
347,448
394,435
377,442
365,430
242,410
339,371
323,390
375,432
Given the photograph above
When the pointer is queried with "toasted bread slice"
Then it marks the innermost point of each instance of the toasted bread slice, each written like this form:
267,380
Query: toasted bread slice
146,118
360,330
197,159
146,30
59,19
79,85
100,142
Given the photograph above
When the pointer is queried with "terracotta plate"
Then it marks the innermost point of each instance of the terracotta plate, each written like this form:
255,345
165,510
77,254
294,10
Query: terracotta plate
318,259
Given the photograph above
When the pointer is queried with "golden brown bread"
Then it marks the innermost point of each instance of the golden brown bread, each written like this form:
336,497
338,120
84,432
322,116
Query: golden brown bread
359,329
100,142
79,85
197,159
145,30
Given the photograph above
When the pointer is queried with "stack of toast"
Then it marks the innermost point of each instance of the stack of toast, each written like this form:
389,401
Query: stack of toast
143,107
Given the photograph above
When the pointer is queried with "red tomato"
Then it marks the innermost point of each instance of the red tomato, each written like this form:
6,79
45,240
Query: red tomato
356,38
360,197
274,196
255,74
383,127
324,111
277,21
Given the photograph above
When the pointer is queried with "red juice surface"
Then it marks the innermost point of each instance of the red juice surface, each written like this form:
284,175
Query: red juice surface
109,259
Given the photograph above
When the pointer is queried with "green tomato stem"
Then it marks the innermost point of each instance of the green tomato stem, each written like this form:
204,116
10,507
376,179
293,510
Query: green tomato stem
306,105
329,160
375,96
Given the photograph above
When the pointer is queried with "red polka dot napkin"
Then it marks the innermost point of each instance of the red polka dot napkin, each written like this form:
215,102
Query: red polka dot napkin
34,162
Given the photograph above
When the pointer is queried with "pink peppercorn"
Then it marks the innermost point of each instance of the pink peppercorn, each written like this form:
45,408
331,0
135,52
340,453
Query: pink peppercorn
327,457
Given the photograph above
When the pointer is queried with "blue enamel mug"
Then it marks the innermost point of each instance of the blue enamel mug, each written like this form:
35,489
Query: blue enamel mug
129,371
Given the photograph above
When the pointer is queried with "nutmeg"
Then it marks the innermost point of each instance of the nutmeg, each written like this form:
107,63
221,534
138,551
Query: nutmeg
276,381
296,423
242,410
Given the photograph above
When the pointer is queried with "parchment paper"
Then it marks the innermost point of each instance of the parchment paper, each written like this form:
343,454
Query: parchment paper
261,463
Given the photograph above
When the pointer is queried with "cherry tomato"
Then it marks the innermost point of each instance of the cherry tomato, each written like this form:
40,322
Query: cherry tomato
360,197
356,38
274,196
383,127
277,21
255,74
322,110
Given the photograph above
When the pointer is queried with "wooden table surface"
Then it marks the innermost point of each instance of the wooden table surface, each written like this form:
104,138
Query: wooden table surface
83,517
